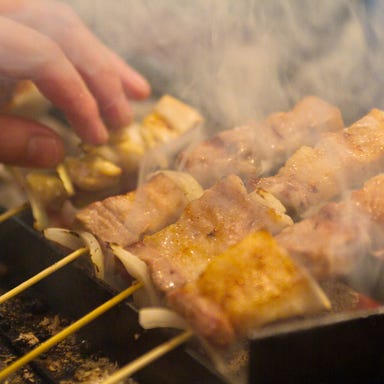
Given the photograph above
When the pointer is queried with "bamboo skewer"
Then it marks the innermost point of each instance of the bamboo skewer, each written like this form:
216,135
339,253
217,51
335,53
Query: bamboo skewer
126,371
148,357
41,275
68,331
13,211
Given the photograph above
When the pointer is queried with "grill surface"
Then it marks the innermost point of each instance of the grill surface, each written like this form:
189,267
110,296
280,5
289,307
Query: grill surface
71,293
332,349
339,349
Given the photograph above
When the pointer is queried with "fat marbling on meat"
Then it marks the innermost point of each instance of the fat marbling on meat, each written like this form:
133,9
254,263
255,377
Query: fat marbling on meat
257,148
333,241
221,217
124,219
339,161
251,284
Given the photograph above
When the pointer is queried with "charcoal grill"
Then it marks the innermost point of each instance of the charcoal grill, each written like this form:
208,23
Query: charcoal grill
72,292
344,347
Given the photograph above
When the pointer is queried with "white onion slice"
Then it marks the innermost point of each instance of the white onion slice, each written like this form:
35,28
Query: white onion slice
75,240
268,200
137,269
161,318
64,237
96,253
186,182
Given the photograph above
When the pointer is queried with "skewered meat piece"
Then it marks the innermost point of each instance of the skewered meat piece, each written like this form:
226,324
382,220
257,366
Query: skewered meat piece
92,173
249,285
309,118
117,163
123,219
104,170
47,188
333,240
255,149
339,161
222,216
170,118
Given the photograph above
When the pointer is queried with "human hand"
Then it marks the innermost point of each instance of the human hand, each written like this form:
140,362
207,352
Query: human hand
45,41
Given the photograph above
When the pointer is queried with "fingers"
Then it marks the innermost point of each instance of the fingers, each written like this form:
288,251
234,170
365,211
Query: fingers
107,88
28,144
61,84
135,85
44,41
26,54
110,80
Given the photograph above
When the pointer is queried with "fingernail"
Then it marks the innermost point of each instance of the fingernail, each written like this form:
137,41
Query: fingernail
138,86
43,151
142,84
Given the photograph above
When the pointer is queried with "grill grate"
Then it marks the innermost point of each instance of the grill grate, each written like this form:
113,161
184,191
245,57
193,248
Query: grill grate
71,292
27,321
343,347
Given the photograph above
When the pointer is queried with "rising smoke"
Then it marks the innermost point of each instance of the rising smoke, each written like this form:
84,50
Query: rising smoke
241,60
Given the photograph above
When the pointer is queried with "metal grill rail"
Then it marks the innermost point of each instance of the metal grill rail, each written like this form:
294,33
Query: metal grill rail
123,342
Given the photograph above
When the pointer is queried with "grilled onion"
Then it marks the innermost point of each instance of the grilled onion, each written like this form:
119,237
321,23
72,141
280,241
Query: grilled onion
74,240
161,318
137,269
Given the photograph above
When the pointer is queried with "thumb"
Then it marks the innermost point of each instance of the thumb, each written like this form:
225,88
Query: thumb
27,143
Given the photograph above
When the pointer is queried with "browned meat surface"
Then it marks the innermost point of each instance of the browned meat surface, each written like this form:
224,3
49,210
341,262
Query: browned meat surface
249,285
339,161
222,216
370,198
255,149
124,219
333,240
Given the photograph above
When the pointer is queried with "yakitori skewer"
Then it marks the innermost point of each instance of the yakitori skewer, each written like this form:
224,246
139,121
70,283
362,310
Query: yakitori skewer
44,273
68,331
149,357
13,211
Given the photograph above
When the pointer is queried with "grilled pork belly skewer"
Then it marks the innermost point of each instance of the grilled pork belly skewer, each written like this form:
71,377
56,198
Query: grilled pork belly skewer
255,281
190,262
304,123
339,161
252,283
124,219
221,217
256,149
337,238
225,293
181,253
